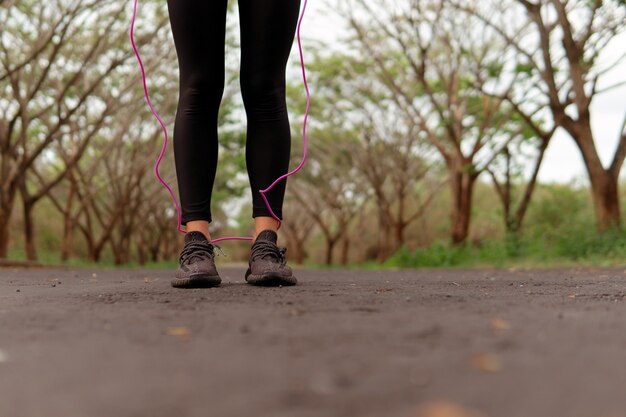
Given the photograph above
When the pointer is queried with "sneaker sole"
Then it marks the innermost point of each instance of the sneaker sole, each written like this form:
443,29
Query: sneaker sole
271,280
197,281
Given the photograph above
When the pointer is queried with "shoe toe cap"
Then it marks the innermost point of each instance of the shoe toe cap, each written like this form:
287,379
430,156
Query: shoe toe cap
264,267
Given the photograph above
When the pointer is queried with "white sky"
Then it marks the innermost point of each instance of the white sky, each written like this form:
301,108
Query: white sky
562,162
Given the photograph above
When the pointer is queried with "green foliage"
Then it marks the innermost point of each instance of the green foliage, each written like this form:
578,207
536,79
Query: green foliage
524,68
443,254
557,209
579,244
559,229
494,69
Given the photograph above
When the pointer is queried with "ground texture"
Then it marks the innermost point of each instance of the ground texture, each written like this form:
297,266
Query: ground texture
426,343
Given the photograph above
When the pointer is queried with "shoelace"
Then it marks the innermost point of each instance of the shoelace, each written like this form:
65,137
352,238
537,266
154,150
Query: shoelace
198,250
264,248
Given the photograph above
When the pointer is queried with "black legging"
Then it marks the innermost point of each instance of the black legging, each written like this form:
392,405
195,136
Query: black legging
267,34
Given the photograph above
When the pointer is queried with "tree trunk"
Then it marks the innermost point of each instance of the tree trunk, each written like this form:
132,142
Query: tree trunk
156,245
604,187
297,247
68,222
384,235
29,232
605,192
400,227
400,223
95,249
143,256
66,243
116,255
167,248
462,187
91,249
121,247
5,217
29,224
345,248
127,248
330,245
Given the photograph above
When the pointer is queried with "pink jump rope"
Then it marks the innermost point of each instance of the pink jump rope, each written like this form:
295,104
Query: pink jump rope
164,128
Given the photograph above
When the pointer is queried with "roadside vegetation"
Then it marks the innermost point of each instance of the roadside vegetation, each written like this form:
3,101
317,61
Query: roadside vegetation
429,125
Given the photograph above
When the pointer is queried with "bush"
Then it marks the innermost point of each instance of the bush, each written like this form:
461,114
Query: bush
581,243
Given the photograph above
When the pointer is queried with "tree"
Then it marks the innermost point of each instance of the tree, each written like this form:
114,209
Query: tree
328,192
298,228
557,46
55,73
360,132
432,63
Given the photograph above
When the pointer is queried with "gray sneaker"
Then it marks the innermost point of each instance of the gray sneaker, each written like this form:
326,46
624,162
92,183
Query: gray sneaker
267,265
197,265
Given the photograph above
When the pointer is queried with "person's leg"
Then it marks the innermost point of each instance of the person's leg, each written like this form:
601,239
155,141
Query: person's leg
199,29
267,33
263,223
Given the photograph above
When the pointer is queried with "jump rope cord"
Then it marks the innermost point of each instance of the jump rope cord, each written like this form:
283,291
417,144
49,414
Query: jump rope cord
164,128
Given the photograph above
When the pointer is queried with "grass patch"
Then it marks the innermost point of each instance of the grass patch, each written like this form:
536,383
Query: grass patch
573,245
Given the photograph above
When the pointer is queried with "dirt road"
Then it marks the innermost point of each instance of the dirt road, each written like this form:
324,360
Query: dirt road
427,343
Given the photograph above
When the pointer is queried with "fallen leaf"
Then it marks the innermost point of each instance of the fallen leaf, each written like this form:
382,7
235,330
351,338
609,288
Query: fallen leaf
487,362
500,324
182,332
446,409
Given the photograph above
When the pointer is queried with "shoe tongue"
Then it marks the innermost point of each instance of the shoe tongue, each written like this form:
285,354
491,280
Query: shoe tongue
268,235
195,236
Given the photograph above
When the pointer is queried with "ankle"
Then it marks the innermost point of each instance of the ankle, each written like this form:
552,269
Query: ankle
201,226
264,223
258,232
